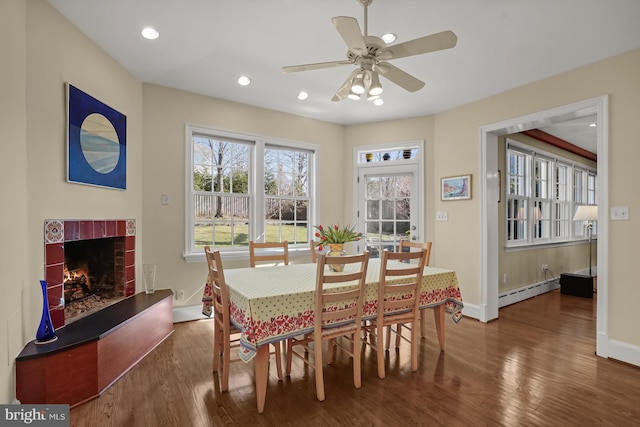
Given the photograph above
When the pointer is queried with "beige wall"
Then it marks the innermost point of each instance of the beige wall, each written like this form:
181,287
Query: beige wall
57,52
457,151
13,188
166,111
524,267
45,50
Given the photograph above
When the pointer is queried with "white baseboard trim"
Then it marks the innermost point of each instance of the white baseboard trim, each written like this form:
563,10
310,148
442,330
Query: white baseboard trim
186,313
471,310
621,351
513,296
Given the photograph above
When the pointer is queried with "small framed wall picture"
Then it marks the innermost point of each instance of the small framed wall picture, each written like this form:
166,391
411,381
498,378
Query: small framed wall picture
456,187
96,142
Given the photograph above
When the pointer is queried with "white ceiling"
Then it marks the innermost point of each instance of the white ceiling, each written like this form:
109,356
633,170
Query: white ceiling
577,131
205,45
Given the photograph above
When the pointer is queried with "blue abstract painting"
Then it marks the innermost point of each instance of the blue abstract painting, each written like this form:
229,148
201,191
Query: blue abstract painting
97,142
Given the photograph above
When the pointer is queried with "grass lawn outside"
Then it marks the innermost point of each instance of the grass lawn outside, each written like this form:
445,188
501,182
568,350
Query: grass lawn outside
223,233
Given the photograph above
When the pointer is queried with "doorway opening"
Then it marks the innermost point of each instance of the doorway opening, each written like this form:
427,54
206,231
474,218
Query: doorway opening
489,305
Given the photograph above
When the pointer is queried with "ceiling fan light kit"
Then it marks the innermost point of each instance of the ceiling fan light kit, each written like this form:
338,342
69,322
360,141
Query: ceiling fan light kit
371,55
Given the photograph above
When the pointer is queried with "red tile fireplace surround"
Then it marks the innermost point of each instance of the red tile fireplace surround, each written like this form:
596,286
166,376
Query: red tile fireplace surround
58,231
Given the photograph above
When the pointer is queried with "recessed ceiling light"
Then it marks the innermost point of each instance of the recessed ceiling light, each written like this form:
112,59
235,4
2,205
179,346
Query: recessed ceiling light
244,81
388,38
303,95
592,125
378,101
150,33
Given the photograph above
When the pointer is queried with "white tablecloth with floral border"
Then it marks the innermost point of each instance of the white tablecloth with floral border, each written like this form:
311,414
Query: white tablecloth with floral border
274,303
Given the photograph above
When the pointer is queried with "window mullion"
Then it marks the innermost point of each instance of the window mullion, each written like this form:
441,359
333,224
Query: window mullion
258,218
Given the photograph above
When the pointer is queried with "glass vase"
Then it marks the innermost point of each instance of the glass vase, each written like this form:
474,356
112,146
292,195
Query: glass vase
46,332
336,249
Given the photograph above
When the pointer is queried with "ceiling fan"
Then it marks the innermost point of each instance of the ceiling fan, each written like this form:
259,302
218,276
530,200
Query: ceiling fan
371,55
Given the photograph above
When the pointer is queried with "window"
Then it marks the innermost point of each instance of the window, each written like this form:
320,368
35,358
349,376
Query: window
563,215
518,194
584,194
242,188
543,194
286,189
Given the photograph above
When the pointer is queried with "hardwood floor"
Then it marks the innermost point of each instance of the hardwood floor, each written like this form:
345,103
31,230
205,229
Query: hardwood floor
535,366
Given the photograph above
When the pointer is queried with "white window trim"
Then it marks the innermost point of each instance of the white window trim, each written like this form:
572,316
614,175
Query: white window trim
257,201
552,241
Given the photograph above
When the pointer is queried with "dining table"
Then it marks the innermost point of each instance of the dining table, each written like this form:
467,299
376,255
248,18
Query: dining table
273,303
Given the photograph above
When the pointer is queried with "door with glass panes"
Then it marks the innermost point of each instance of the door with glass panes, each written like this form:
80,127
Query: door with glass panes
388,207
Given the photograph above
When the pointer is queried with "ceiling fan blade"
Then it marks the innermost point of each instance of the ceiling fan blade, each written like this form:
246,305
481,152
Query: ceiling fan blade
316,66
344,89
350,32
426,44
399,77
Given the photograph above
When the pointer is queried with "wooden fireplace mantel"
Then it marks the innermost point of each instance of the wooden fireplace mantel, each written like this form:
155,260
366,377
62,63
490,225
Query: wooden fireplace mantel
92,353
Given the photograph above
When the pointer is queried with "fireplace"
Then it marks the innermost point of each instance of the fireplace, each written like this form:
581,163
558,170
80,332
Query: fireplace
93,275
89,265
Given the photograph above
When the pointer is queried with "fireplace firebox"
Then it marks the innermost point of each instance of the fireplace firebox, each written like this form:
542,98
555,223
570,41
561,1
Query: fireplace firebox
91,279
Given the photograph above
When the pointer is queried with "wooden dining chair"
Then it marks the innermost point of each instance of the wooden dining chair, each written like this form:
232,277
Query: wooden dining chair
337,314
315,253
223,329
257,255
264,252
398,303
426,246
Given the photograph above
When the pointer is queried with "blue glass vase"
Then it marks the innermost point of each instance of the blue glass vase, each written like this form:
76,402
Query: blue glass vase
46,333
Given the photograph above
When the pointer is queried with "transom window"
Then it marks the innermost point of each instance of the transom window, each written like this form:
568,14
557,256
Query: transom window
243,188
543,193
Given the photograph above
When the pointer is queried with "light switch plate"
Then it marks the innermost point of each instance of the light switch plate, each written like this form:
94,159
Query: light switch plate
442,216
164,199
620,213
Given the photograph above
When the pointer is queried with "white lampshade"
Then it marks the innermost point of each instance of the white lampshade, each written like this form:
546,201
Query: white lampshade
353,95
375,87
586,213
357,85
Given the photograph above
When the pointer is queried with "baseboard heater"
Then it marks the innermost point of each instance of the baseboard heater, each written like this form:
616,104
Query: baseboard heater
579,285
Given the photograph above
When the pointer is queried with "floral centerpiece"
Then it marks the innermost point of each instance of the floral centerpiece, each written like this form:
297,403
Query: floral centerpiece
336,235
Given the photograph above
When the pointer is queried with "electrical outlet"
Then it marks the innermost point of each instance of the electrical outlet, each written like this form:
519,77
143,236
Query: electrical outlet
180,294
504,279
545,267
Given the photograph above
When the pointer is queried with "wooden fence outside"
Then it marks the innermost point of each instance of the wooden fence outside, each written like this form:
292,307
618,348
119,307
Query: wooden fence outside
206,206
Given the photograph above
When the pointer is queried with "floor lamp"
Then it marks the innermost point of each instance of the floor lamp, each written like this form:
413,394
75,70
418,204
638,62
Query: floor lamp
588,214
